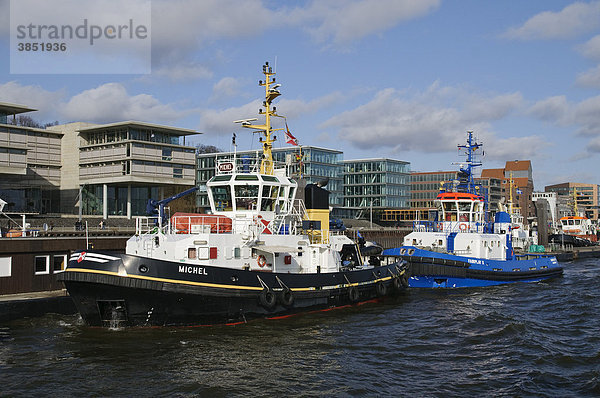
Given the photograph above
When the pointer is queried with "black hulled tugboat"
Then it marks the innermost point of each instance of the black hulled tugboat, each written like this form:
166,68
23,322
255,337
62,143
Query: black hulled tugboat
259,253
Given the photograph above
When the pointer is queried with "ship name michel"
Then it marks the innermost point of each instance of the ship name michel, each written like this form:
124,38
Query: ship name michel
185,269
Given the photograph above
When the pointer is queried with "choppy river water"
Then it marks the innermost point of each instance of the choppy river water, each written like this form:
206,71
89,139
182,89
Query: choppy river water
539,339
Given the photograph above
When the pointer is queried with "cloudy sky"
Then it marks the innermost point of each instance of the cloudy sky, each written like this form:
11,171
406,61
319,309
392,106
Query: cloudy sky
403,79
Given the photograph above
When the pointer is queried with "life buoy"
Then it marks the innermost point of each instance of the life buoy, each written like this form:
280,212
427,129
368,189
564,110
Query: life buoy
380,289
353,294
261,260
462,227
286,298
267,299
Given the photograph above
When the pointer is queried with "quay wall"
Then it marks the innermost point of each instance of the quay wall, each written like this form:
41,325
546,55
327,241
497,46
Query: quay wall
19,257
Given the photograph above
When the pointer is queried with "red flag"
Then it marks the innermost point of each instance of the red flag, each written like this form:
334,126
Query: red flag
289,138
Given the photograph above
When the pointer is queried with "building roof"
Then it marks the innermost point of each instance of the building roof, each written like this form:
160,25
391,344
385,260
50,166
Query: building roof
513,165
571,185
13,109
434,172
375,160
130,123
17,127
492,173
287,148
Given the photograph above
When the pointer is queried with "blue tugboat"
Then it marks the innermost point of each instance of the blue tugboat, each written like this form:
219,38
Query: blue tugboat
462,248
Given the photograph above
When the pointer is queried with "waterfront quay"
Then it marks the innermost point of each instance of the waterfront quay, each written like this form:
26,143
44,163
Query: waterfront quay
28,270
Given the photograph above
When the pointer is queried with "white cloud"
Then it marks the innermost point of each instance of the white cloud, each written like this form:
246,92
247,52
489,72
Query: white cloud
583,117
342,21
571,21
586,114
528,147
215,121
425,122
181,25
589,78
110,102
550,109
104,104
591,48
227,87
34,97
594,146
182,72
221,121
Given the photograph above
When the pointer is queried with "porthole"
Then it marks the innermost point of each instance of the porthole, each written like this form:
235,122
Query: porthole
143,269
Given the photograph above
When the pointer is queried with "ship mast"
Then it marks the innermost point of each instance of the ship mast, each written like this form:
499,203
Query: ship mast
510,188
470,149
271,92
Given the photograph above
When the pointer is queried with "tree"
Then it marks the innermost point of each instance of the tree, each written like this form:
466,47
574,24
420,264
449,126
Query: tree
201,148
28,121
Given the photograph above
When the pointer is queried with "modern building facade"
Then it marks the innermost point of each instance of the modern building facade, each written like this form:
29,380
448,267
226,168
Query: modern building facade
521,173
585,194
30,164
379,183
425,187
115,168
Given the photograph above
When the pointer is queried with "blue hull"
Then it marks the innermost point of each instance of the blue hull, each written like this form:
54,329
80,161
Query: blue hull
441,270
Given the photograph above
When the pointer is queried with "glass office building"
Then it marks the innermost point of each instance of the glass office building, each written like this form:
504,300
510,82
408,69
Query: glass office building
378,183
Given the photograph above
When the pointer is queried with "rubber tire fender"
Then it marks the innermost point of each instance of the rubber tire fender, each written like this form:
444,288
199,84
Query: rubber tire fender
380,289
404,279
267,299
396,284
286,298
353,294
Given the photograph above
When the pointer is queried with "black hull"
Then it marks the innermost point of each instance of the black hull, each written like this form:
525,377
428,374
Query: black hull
116,293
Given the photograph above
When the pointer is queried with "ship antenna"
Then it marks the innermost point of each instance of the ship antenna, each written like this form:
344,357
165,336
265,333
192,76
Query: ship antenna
271,92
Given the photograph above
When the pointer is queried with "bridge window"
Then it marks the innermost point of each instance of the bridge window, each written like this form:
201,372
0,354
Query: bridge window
222,197
269,195
246,196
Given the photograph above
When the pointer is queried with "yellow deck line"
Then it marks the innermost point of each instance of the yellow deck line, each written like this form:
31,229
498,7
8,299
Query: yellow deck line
300,289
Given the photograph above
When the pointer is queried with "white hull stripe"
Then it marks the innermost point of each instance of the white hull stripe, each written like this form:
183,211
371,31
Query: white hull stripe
95,257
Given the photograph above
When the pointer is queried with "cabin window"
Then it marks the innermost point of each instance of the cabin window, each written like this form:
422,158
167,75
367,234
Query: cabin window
246,197
222,178
570,222
577,222
42,265
267,200
59,262
450,211
192,253
236,252
222,197
249,177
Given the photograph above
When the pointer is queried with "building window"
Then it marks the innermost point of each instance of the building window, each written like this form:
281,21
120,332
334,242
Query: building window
178,173
167,154
42,265
58,263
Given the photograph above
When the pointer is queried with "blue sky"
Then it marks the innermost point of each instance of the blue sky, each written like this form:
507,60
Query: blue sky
374,78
